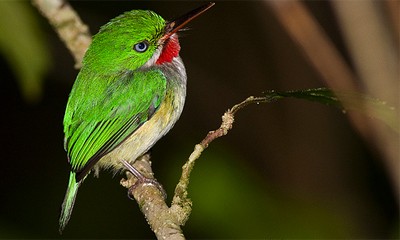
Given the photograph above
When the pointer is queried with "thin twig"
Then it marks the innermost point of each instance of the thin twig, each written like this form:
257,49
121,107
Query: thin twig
180,197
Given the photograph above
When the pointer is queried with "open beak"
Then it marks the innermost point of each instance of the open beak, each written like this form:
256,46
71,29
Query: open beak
173,26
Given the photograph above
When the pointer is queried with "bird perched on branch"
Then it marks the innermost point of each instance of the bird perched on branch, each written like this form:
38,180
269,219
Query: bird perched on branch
129,93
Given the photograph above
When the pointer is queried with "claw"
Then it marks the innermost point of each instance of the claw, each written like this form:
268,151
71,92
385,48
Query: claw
142,180
130,189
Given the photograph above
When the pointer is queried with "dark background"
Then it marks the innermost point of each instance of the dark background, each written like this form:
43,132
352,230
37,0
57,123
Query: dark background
288,169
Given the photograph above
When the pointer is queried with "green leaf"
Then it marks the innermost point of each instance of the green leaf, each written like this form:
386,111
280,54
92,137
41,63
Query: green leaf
346,100
321,95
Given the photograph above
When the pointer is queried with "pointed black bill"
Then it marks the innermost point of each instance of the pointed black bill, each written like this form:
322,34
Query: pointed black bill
173,26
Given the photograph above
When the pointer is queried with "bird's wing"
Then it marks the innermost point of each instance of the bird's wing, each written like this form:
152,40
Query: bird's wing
101,115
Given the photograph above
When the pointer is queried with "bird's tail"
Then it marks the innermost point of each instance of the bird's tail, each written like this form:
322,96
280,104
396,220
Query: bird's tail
69,200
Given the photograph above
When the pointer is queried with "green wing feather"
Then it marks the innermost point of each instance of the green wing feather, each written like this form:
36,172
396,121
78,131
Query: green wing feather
101,113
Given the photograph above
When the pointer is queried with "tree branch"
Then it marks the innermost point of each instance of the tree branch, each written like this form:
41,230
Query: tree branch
163,220
68,25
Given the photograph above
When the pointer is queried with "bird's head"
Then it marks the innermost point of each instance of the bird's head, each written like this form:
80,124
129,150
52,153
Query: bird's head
136,39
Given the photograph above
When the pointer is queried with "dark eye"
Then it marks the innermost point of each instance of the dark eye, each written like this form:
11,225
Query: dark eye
141,47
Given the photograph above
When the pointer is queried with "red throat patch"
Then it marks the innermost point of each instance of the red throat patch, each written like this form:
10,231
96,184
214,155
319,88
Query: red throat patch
170,50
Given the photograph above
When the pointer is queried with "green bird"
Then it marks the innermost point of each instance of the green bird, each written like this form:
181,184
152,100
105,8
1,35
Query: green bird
129,93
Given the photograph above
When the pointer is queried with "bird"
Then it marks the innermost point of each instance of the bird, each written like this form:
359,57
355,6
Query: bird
128,94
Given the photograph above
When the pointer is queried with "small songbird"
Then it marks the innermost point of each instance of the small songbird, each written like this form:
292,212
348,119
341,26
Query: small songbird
129,93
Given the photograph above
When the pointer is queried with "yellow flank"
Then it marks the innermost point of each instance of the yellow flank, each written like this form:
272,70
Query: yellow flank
143,138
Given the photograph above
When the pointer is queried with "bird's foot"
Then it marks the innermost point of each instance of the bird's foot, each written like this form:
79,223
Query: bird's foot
141,179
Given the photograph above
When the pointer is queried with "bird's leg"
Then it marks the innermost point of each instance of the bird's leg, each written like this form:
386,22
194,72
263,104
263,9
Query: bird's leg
141,179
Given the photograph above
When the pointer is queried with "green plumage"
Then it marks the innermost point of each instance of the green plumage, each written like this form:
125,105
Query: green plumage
97,123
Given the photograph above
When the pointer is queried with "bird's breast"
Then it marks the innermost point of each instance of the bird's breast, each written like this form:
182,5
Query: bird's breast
157,126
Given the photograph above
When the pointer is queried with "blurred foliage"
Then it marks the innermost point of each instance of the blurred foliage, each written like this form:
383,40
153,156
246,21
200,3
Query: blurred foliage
231,200
23,45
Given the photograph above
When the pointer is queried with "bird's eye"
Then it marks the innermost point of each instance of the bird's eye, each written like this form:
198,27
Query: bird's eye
141,47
